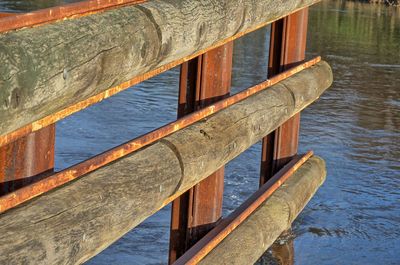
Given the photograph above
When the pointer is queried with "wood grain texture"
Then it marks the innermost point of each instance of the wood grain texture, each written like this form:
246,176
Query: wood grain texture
75,222
71,224
48,68
275,215
203,148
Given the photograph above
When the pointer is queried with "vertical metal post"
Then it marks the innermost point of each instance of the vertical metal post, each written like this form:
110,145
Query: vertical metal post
204,80
27,159
287,49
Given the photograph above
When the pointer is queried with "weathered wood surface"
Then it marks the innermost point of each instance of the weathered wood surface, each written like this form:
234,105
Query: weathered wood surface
48,68
75,222
254,236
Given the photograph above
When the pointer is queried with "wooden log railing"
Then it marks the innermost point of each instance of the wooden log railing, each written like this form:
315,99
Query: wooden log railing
55,180
271,218
58,61
54,70
144,181
224,244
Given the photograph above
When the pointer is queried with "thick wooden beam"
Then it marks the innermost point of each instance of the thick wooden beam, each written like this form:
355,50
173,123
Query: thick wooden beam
71,224
273,217
48,68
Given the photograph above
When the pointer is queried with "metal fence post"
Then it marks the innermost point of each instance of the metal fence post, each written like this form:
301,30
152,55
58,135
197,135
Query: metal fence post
204,80
287,49
27,159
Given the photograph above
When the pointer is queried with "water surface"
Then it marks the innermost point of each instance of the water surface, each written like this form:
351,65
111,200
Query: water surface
354,218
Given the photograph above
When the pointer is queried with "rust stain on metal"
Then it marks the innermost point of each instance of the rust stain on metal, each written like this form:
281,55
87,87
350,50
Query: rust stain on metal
60,178
48,15
219,233
6,15
293,53
53,118
203,81
287,49
27,160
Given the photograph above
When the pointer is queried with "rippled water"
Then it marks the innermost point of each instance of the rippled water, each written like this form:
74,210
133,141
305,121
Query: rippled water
355,217
355,126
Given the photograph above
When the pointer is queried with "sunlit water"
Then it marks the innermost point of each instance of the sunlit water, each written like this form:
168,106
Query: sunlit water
355,126
355,217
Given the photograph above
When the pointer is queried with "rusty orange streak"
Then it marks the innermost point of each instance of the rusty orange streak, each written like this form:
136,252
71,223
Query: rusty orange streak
17,197
6,14
52,14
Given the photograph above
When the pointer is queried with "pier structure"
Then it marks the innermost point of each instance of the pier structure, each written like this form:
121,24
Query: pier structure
61,60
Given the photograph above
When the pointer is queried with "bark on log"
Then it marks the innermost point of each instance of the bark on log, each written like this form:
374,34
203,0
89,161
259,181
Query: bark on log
48,68
75,222
254,236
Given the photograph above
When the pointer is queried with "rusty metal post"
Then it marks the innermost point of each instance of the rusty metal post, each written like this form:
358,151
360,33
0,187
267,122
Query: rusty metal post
204,80
287,49
27,159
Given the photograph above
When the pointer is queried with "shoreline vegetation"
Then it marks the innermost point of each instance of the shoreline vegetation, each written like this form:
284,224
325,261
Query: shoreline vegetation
386,2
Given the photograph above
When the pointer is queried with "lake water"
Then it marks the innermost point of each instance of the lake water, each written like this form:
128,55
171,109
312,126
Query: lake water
355,216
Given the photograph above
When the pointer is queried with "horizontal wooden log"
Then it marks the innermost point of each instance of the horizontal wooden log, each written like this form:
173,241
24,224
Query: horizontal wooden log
275,215
75,222
48,68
